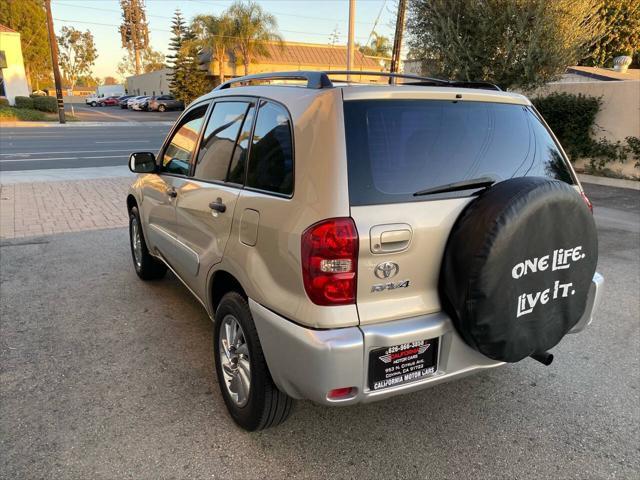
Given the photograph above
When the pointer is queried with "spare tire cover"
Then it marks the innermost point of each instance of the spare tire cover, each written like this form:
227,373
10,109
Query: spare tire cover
518,266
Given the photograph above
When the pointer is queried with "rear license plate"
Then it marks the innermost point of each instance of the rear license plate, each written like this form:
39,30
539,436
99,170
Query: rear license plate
400,364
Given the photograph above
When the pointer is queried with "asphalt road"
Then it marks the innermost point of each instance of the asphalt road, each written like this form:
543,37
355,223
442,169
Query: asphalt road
77,146
105,376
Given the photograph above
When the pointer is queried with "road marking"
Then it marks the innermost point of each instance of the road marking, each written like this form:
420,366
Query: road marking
127,141
7,160
69,151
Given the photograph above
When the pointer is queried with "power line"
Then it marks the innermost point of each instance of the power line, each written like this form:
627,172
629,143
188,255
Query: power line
169,31
333,20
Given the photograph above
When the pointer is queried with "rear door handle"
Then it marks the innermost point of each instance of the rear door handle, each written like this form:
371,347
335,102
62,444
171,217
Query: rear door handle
391,238
218,206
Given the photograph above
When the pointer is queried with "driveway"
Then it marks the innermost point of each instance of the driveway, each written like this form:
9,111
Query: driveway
105,376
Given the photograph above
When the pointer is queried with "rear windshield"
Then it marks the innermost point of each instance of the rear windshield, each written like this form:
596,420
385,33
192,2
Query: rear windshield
398,147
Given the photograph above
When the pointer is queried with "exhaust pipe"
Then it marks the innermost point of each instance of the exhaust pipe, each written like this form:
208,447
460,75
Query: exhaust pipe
544,358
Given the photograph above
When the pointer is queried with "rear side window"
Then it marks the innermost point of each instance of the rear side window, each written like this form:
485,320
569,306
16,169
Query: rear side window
219,139
271,153
398,147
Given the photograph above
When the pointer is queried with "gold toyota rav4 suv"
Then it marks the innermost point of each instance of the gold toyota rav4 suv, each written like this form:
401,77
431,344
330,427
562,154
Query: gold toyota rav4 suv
355,241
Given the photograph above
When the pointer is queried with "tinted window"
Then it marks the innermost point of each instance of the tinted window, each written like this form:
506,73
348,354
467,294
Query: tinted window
219,139
178,154
398,147
271,155
239,159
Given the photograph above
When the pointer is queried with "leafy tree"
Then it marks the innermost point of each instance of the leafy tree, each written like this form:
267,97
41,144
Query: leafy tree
28,17
380,46
513,43
178,29
134,31
621,20
77,53
254,28
84,81
150,61
214,35
110,81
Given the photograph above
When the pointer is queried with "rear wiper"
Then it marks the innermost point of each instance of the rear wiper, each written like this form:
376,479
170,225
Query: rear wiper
482,182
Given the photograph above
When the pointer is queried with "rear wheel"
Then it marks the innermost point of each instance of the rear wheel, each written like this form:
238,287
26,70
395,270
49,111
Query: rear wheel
247,388
147,267
161,108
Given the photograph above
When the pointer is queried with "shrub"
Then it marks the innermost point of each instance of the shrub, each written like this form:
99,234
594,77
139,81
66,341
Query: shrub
24,102
4,102
11,113
45,104
572,119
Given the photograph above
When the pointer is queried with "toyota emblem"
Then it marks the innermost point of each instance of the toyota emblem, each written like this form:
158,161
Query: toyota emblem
386,270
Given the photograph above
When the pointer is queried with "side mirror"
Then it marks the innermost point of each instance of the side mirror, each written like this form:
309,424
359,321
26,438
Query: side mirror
142,162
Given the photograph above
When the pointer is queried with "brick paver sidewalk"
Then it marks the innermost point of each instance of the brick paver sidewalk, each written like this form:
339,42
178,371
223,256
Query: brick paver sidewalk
42,208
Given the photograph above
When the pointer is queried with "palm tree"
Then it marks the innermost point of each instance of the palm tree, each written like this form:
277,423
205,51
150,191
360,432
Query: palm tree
215,35
380,46
254,29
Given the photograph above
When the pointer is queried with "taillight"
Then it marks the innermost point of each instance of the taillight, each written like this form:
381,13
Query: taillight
329,261
587,201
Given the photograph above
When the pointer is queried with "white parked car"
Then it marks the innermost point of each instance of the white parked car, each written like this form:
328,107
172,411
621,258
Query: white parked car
131,101
140,103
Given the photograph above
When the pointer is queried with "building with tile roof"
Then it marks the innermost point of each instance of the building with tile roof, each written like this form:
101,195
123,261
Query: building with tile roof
295,56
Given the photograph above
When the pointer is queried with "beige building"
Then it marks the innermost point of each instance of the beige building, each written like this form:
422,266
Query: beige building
296,56
13,81
153,83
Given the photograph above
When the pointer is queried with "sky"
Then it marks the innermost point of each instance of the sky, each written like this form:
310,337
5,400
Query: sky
310,21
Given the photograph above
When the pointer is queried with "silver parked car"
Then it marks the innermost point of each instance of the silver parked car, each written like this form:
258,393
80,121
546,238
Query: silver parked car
355,242
162,103
133,100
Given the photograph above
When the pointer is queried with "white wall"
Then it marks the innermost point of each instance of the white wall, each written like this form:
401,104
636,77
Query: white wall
154,83
15,81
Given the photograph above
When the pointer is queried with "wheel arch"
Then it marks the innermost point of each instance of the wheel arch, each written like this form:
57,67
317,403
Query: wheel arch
220,283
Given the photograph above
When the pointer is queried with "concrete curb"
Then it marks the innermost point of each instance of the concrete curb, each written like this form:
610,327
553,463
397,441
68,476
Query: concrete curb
610,182
79,124
64,174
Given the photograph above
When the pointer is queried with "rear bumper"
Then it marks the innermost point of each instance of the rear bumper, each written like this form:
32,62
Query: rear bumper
307,363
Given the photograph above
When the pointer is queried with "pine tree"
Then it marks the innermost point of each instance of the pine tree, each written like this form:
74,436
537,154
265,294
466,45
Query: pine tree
178,28
188,81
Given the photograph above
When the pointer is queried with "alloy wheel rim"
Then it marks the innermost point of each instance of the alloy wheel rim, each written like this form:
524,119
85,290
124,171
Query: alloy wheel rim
233,354
136,242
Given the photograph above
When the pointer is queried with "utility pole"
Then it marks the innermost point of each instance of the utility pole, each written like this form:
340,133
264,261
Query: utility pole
397,39
53,44
350,43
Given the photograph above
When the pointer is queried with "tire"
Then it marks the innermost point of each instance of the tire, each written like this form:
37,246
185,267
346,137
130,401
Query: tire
161,108
146,266
518,267
93,104
264,406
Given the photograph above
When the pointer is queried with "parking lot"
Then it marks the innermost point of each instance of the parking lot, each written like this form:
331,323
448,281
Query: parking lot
86,113
105,376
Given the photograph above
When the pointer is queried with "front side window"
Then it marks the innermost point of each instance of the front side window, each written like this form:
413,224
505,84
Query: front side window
179,153
271,155
219,139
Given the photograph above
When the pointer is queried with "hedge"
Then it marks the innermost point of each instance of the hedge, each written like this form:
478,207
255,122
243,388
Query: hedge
46,104
24,102
4,102
572,118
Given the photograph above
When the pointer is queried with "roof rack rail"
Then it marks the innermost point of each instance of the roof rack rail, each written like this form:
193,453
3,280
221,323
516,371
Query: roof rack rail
314,80
318,80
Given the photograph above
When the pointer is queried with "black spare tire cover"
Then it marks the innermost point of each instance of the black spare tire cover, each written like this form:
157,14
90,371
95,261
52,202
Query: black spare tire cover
518,266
